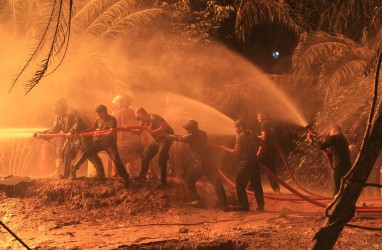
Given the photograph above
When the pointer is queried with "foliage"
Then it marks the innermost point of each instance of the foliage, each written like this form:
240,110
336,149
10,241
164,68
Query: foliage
333,59
346,17
252,13
191,25
109,19
94,24
17,16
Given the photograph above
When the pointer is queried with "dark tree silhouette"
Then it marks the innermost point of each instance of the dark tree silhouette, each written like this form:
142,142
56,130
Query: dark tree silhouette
343,207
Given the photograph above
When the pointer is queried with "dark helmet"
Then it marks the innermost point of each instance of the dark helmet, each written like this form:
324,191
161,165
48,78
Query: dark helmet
101,109
239,123
141,111
191,125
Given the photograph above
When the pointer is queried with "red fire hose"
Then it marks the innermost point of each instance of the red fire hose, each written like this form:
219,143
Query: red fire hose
86,134
286,166
271,197
302,196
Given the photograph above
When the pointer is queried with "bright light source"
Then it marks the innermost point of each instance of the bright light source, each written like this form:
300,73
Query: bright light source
275,54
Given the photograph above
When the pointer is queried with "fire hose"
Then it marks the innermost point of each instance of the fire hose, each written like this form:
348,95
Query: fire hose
264,168
286,166
86,134
302,196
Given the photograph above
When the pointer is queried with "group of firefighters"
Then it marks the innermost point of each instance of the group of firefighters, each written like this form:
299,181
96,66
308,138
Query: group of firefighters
126,143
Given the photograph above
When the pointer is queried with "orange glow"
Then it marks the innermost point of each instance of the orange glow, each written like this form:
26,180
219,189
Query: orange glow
18,133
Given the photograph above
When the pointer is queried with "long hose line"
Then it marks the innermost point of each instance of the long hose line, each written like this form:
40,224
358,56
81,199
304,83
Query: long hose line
367,132
271,197
88,134
286,166
302,196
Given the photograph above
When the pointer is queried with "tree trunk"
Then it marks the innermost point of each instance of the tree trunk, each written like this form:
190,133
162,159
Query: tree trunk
342,209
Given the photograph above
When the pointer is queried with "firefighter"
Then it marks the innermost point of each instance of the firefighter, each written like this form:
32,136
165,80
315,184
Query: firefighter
105,139
338,147
130,146
159,129
248,169
201,151
267,152
69,121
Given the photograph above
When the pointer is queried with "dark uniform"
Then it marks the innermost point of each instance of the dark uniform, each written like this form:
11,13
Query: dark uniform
338,148
201,150
269,153
248,171
105,143
160,145
72,122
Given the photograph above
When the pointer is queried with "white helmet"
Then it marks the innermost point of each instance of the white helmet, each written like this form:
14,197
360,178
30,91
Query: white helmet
122,101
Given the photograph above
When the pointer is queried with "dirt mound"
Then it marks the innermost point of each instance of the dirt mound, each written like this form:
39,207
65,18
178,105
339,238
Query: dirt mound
91,214
90,194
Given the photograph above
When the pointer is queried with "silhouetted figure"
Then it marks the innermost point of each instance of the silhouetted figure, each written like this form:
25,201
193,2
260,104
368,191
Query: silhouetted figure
267,152
69,121
159,129
204,165
105,140
338,148
248,169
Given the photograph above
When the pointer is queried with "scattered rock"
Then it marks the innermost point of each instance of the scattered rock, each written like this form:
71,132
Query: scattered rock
183,230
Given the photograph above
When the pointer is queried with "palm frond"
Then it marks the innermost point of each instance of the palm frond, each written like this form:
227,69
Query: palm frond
229,95
373,39
103,64
42,39
294,82
108,16
373,34
252,13
314,48
371,66
339,71
86,15
59,22
63,40
129,23
346,17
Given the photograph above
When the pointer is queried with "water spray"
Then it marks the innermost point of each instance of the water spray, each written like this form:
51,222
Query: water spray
17,133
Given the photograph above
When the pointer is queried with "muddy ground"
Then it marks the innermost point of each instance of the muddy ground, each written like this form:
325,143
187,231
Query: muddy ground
91,214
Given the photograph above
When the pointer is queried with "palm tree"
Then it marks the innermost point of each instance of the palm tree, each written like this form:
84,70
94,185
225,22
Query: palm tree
333,60
252,13
339,65
346,17
96,23
343,207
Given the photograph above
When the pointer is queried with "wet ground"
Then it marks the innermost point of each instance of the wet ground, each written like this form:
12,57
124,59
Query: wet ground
90,214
